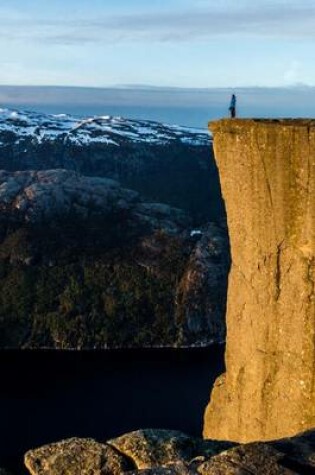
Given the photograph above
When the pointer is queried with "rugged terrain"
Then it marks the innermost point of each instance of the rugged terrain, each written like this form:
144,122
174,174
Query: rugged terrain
85,263
88,262
155,452
165,163
267,171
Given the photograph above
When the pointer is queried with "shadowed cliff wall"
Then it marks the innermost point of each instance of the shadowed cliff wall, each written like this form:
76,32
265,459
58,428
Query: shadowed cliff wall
267,173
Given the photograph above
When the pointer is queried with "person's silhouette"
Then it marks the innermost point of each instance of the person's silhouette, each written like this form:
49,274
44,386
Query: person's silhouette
232,107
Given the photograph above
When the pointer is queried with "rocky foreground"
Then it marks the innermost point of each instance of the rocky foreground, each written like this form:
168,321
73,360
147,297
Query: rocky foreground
155,452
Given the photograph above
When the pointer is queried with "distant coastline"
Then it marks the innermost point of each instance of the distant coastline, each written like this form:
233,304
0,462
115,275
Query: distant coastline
189,107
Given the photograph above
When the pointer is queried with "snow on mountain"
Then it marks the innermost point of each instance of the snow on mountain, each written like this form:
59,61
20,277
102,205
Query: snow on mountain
108,130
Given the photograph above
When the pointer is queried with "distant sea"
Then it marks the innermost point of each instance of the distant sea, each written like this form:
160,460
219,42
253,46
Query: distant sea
190,117
189,107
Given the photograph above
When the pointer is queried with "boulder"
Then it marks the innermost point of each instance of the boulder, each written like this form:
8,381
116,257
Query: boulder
76,456
144,451
152,447
291,456
179,468
163,452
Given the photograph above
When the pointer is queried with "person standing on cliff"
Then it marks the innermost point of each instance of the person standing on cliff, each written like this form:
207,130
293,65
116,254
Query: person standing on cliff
232,107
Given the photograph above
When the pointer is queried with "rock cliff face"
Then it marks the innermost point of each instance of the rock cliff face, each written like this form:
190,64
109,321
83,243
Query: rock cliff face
267,172
85,263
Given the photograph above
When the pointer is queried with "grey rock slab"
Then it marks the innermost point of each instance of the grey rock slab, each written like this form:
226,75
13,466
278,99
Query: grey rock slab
76,457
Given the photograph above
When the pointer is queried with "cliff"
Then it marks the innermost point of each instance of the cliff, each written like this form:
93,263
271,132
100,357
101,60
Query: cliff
267,172
85,263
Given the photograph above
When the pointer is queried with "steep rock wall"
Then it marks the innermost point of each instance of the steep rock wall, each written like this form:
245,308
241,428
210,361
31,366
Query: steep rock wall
267,173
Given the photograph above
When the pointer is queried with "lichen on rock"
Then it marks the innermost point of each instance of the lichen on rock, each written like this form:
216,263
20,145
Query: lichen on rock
152,448
141,451
76,456
167,452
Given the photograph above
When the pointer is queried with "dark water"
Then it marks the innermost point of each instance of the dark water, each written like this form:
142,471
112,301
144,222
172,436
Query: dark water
47,396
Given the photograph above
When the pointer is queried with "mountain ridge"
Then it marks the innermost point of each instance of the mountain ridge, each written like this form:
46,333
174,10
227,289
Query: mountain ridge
104,129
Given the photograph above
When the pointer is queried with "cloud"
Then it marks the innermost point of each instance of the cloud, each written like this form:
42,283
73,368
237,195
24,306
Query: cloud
281,19
295,74
268,20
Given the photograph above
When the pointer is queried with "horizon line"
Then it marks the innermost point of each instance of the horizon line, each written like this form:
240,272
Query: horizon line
152,86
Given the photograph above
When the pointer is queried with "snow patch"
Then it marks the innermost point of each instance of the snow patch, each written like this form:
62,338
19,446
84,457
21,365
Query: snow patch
104,129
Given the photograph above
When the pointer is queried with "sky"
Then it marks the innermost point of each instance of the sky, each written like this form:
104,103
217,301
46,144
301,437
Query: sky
180,43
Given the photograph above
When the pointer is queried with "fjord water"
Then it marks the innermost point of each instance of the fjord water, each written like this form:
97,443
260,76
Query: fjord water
46,396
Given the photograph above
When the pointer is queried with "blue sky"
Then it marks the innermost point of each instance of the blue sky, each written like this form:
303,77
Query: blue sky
185,43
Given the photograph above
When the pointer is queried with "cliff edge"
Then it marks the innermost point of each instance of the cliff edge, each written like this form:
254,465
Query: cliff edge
267,173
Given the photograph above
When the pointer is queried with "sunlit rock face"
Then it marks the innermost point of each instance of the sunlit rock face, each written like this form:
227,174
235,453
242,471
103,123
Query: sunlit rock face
267,173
